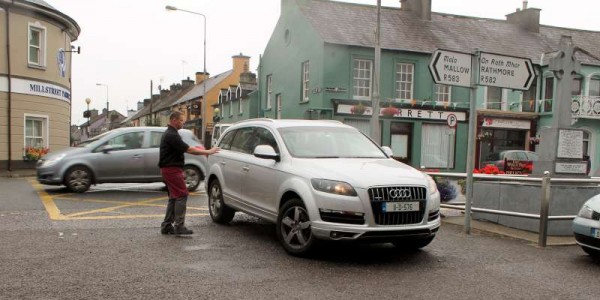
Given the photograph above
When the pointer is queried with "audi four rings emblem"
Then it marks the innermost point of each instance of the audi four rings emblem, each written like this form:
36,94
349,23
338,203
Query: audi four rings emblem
399,193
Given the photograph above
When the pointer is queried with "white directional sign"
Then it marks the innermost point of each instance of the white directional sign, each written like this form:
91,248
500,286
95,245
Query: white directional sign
451,68
505,71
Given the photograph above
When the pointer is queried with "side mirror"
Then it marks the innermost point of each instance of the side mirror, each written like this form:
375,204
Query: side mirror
266,152
388,151
108,148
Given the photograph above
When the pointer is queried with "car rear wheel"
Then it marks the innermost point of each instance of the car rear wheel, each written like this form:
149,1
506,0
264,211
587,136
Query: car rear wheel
219,211
193,177
592,252
294,228
78,179
412,243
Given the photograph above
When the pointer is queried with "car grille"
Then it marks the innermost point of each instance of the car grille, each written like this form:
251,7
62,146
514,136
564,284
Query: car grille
342,217
596,216
379,196
587,240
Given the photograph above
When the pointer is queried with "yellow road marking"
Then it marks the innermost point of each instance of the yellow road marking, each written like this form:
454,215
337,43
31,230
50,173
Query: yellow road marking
55,214
48,202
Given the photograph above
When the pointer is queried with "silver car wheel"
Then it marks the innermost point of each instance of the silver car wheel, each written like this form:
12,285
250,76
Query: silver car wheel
78,179
192,178
295,227
219,211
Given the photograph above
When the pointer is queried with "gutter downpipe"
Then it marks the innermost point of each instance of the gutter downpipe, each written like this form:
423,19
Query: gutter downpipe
9,106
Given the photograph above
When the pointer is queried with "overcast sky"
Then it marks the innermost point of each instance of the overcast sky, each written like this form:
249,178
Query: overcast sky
127,43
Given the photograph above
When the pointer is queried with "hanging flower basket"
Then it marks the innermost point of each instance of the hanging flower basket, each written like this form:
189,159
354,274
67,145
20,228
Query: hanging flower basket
484,136
358,109
534,140
390,111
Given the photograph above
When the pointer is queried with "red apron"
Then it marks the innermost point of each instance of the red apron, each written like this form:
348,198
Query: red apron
175,180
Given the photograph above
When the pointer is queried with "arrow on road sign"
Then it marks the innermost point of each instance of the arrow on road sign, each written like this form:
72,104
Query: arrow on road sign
505,71
451,68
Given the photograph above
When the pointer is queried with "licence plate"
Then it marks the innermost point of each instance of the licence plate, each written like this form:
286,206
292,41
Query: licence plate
400,206
596,233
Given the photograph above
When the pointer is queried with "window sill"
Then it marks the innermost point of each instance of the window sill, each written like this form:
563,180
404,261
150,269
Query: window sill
39,67
304,101
267,109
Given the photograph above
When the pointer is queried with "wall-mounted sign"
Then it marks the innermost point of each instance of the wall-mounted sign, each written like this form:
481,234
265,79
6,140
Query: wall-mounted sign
37,88
61,60
570,144
506,123
410,113
570,168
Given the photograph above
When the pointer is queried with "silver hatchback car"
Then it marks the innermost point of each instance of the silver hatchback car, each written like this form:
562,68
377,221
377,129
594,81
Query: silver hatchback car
320,180
121,155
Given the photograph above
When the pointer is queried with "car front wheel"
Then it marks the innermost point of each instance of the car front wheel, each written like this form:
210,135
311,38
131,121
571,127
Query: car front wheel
294,228
219,212
78,179
192,177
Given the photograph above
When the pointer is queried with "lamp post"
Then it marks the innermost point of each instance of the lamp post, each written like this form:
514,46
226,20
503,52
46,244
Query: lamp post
203,104
87,101
107,110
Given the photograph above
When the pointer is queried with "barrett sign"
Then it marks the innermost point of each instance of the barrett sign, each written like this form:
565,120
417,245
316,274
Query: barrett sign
505,71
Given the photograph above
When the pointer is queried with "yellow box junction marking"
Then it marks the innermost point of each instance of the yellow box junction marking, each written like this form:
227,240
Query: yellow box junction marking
55,214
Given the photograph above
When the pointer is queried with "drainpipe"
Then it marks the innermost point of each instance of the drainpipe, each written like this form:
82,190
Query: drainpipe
9,106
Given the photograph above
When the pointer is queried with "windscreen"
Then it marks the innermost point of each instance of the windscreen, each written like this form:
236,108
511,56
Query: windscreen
329,142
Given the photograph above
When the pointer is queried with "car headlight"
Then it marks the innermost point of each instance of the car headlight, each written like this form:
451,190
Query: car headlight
585,212
52,161
432,186
333,187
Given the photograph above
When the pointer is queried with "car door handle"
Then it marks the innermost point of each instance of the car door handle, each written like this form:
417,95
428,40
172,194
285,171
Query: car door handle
137,156
223,163
246,168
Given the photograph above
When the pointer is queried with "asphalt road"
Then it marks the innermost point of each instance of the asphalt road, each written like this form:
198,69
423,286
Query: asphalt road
105,249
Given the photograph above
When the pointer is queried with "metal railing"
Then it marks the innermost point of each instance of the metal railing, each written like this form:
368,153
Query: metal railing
545,183
586,107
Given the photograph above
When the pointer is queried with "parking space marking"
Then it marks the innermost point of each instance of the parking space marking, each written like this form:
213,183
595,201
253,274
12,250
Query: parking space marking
54,212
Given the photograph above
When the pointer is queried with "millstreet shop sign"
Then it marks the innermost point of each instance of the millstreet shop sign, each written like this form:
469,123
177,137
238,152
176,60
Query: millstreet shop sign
37,88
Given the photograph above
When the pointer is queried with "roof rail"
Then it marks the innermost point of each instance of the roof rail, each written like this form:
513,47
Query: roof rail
255,119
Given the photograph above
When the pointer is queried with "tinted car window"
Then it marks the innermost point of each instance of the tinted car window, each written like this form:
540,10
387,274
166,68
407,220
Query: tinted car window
266,138
227,139
244,140
126,141
155,138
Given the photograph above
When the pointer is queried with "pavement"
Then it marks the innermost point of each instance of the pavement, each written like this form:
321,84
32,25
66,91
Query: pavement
449,216
16,173
456,217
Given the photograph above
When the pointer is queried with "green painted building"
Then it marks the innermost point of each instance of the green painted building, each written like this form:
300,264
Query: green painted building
318,64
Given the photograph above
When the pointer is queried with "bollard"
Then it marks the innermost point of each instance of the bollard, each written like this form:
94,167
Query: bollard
544,209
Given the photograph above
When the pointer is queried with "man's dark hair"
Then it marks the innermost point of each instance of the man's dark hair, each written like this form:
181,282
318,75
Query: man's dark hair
175,115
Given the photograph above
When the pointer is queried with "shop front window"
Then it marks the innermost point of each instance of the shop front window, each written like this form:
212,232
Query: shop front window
437,147
498,140
400,142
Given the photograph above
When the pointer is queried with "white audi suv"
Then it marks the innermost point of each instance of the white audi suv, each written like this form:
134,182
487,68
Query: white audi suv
320,180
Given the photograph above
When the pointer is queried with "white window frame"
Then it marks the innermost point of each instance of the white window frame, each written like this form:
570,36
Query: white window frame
443,93
544,96
503,99
437,144
269,91
305,81
45,129
239,93
363,73
590,78
405,75
41,48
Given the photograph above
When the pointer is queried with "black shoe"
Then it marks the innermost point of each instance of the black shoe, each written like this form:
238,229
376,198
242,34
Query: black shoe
169,229
183,230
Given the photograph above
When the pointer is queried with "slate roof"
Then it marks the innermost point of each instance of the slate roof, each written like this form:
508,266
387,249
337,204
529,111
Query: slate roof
354,24
198,90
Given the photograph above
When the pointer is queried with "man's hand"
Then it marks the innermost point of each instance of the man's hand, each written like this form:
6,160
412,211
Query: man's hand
199,150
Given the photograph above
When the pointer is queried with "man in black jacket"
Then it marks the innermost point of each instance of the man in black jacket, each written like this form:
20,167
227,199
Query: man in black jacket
171,162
